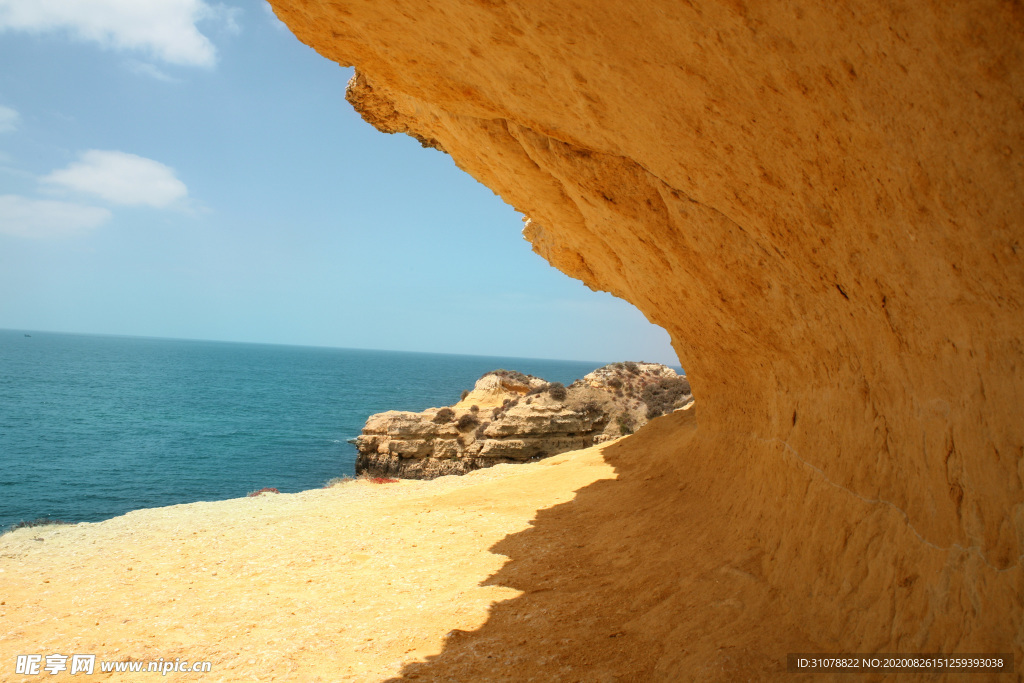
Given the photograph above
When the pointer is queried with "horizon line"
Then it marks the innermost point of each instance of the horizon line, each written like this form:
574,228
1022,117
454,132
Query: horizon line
320,346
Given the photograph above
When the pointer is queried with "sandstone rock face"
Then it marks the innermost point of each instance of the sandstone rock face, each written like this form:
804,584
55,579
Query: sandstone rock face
512,417
821,203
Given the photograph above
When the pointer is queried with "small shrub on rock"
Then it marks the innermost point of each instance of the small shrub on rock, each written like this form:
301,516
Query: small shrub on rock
466,422
663,396
444,415
625,424
506,405
474,409
615,383
557,391
631,367
510,375
465,393
480,430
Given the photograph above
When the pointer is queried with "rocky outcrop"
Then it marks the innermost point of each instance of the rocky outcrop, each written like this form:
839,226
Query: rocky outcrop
820,201
511,417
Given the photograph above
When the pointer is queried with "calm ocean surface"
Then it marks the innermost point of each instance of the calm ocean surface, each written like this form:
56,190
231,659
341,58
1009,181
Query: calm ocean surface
93,426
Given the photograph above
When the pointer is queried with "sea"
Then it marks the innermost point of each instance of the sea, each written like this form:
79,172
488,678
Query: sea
93,426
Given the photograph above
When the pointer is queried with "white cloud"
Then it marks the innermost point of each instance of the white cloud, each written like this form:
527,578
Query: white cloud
23,217
8,119
121,178
166,29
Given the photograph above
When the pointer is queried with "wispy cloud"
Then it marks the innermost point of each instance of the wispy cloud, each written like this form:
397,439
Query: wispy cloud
8,119
165,29
228,16
121,178
43,219
149,70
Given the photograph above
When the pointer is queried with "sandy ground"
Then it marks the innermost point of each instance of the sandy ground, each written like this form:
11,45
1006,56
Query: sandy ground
344,584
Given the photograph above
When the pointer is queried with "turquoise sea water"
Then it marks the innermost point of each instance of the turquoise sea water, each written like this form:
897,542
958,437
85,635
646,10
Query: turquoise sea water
93,426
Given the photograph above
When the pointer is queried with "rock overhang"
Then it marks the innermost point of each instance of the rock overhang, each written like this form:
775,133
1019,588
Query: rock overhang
819,202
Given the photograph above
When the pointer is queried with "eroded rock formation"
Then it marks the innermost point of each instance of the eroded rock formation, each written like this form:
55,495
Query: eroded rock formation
821,203
511,417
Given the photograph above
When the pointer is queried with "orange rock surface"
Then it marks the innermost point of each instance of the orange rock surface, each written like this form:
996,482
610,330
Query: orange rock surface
822,204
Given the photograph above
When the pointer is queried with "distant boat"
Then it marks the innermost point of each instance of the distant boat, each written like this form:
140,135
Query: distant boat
28,335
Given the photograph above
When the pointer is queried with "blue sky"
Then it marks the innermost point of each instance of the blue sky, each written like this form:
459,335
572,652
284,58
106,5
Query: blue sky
181,168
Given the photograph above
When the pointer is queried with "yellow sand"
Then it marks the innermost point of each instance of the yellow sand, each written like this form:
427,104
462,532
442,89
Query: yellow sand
347,583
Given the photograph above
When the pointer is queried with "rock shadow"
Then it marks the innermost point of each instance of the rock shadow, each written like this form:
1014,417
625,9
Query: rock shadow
649,576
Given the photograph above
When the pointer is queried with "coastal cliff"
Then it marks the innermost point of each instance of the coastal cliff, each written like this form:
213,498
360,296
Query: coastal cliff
511,417
820,202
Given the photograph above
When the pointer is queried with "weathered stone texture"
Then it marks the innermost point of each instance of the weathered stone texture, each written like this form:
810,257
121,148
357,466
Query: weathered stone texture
513,418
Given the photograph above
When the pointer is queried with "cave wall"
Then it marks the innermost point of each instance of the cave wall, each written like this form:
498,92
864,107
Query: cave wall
822,204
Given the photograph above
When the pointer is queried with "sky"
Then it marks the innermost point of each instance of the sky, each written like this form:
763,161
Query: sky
189,169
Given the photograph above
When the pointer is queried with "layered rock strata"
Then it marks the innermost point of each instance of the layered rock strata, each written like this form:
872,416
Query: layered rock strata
821,203
511,417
